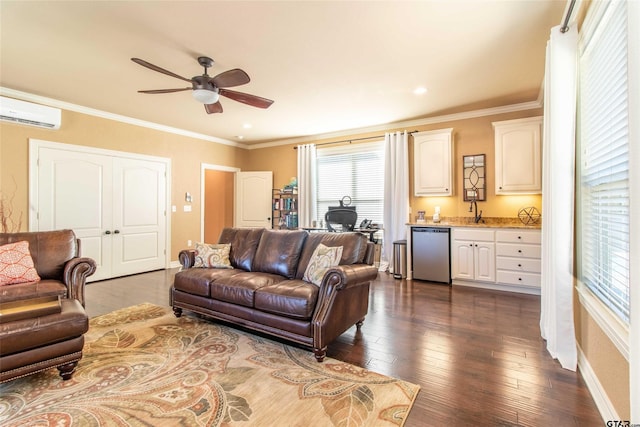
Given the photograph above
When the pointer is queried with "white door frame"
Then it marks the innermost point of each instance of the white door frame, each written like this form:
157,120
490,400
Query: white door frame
203,168
36,144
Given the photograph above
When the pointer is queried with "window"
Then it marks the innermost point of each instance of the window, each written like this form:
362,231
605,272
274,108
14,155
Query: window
603,141
356,171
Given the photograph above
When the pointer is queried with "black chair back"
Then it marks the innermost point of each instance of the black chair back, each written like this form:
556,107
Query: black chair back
340,220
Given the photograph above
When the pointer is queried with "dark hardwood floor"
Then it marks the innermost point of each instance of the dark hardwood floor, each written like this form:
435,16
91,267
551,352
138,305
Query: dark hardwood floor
476,354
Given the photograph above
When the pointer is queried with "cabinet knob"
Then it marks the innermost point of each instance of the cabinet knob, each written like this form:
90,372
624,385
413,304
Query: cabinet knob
520,278
107,232
470,244
476,245
500,188
519,251
519,265
519,237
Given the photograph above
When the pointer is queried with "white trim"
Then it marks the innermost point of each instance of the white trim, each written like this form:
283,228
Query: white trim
613,328
633,39
24,96
497,287
175,264
36,144
604,405
351,148
204,167
531,105
523,106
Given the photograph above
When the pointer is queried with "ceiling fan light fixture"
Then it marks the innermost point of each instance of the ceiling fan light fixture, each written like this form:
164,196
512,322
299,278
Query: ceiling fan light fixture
205,96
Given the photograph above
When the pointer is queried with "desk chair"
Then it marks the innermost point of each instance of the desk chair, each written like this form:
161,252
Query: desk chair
340,220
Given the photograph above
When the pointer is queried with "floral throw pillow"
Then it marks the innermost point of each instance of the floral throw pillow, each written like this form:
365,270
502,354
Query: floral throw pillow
212,255
323,258
16,264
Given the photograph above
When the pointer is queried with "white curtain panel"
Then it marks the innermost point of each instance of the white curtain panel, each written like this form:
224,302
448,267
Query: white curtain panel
306,185
558,175
396,193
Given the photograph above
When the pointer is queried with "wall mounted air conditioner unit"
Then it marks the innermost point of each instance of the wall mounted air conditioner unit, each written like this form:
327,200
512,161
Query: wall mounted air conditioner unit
26,113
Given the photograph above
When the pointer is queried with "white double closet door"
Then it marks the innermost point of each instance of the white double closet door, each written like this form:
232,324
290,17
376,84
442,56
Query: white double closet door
115,202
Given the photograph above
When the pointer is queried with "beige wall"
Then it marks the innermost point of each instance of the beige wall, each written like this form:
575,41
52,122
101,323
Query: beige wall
609,365
186,156
471,136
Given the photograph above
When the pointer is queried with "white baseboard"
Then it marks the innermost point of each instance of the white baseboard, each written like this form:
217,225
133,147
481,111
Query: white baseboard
607,411
497,287
175,264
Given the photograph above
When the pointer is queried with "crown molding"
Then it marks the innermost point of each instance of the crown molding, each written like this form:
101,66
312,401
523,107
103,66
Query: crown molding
24,96
523,106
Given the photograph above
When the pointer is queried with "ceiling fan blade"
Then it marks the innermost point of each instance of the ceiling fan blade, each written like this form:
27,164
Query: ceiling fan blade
165,90
158,69
235,77
245,98
213,108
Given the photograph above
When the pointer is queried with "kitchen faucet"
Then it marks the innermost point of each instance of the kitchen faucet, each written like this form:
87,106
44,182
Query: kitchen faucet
477,216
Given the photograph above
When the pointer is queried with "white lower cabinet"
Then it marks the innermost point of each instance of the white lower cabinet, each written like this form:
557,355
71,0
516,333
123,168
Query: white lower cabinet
496,258
518,258
473,255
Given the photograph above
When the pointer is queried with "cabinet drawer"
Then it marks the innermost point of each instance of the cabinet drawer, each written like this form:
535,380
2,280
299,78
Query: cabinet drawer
520,251
519,279
518,236
473,235
525,265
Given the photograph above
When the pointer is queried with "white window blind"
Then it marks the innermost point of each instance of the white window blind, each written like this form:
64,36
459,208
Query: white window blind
603,138
356,171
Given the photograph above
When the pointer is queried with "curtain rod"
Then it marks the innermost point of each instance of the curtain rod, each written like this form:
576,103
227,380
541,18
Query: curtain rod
565,22
354,139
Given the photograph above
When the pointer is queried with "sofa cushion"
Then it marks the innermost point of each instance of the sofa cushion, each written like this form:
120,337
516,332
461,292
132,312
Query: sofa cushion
354,248
240,288
197,281
323,258
290,298
212,255
244,243
16,264
279,251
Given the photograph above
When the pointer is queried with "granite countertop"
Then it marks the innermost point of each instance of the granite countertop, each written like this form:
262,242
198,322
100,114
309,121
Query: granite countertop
495,222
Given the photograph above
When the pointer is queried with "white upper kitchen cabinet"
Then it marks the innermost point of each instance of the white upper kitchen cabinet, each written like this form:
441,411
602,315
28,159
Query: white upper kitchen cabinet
518,152
432,163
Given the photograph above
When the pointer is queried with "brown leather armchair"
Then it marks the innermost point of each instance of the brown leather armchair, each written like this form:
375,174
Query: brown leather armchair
32,344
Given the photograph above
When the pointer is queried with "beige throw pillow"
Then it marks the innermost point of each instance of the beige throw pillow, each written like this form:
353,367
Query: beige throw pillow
212,255
323,259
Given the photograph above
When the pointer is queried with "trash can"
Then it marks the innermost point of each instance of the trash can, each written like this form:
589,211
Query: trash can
400,259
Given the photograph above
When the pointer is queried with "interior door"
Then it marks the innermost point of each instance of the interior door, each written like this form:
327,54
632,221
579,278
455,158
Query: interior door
139,206
115,204
74,191
253,199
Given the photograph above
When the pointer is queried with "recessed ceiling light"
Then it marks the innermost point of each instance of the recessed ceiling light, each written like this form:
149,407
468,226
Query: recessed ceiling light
247,125
420,90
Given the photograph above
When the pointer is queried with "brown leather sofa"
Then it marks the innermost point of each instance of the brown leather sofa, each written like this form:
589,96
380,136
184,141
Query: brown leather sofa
35,343
264,290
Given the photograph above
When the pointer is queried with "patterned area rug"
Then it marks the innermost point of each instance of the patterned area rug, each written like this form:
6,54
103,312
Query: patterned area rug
142,366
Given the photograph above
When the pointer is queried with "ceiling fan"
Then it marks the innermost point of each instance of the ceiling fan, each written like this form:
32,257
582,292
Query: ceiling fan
208,89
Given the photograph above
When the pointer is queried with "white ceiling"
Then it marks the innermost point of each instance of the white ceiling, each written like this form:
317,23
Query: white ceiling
330,66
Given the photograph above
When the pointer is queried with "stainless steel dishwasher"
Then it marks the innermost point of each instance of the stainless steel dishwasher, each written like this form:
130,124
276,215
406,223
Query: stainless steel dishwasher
430,254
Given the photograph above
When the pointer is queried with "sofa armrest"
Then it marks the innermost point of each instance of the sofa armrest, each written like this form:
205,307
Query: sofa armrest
345,276
75,274
187,257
